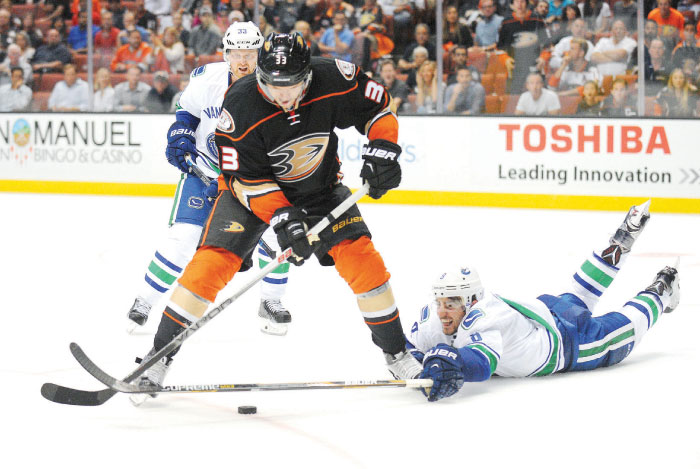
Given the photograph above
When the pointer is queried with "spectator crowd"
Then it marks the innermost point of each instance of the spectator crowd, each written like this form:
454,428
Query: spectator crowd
531,57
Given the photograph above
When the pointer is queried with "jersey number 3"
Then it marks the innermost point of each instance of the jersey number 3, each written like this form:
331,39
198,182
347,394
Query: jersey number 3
229,159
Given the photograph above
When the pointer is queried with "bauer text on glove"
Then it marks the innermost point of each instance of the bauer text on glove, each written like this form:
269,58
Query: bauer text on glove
381,167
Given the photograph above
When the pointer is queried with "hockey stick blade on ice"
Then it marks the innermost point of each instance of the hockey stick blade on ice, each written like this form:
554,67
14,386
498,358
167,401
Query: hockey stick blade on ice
64,395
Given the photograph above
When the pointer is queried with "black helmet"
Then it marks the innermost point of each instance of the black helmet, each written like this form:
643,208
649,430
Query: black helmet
283,60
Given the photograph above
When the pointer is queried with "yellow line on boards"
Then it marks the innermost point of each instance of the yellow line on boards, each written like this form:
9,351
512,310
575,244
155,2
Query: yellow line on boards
465,199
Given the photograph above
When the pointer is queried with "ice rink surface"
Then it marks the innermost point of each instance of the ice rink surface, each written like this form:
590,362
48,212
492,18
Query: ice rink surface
71,265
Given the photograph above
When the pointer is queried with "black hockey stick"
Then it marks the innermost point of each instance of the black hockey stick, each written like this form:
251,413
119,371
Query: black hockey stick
64,395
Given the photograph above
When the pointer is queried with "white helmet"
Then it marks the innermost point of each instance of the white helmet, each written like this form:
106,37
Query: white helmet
463,282
242,35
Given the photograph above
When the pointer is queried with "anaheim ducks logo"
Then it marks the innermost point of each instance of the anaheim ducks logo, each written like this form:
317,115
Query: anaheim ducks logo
225,122
300,157
234,227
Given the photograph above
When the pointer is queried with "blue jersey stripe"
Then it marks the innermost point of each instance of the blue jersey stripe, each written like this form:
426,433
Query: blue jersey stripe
600,259
642,309
276,281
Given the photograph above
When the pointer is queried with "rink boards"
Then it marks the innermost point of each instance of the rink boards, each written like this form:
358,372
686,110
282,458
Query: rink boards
497,161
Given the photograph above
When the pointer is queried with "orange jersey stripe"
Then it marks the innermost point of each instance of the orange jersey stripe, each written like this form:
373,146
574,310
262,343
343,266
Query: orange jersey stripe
393,318
165,313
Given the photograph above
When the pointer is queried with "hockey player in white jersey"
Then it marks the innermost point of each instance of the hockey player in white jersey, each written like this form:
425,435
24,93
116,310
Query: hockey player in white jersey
467,334
191,142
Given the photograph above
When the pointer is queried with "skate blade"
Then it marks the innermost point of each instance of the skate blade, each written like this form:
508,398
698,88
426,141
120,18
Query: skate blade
272,328
131,327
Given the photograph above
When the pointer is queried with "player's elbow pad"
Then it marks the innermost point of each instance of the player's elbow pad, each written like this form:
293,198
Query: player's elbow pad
475,365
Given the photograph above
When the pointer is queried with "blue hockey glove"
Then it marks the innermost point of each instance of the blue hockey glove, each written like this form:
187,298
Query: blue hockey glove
211,191
288,223
181,141
442,365
381,166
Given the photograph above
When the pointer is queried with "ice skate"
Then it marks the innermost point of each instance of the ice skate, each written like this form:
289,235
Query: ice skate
634,223
628,232
403,365
274,317
666,285
152,377
138,314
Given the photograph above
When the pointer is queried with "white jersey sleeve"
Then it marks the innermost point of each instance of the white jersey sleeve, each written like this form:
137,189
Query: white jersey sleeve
201,104
517,338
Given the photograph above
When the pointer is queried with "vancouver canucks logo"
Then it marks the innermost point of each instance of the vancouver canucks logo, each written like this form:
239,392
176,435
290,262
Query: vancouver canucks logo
298,159
471,318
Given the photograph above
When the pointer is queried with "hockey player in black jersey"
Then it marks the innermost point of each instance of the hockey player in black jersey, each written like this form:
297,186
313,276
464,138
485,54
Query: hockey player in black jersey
278,156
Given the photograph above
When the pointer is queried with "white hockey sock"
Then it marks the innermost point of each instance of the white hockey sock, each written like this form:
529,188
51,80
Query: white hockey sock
274,285
169,261
593,278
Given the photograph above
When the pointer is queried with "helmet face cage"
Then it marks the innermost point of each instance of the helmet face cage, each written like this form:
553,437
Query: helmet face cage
464,283
242,35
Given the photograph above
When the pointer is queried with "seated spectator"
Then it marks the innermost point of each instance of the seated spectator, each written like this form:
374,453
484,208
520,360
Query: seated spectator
466,96
287,13
325,20
556,8
60,25
669,19
34,34
619,103
76,6
487,27
574,70
265,27
169,53
22,40
679,98
522,37
117,10
453,32
104,93
204,40
590,102
537,100
14,59
426,88
136,53
130,25
420,56
52,56
459,58
660,68
7,31
597,15
571,14
578,31
184,81
303,28
160,97
690,69
130,95
184,20
337,40
611,54
106,40
145,18
626,10
70,94
402,12
77,36
160,8
687,48
370,13
422,39
398,90
15,96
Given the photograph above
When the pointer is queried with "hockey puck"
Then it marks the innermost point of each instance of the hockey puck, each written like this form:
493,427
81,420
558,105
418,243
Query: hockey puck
247,409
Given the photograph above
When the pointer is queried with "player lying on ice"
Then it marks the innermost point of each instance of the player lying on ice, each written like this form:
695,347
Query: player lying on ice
469,335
